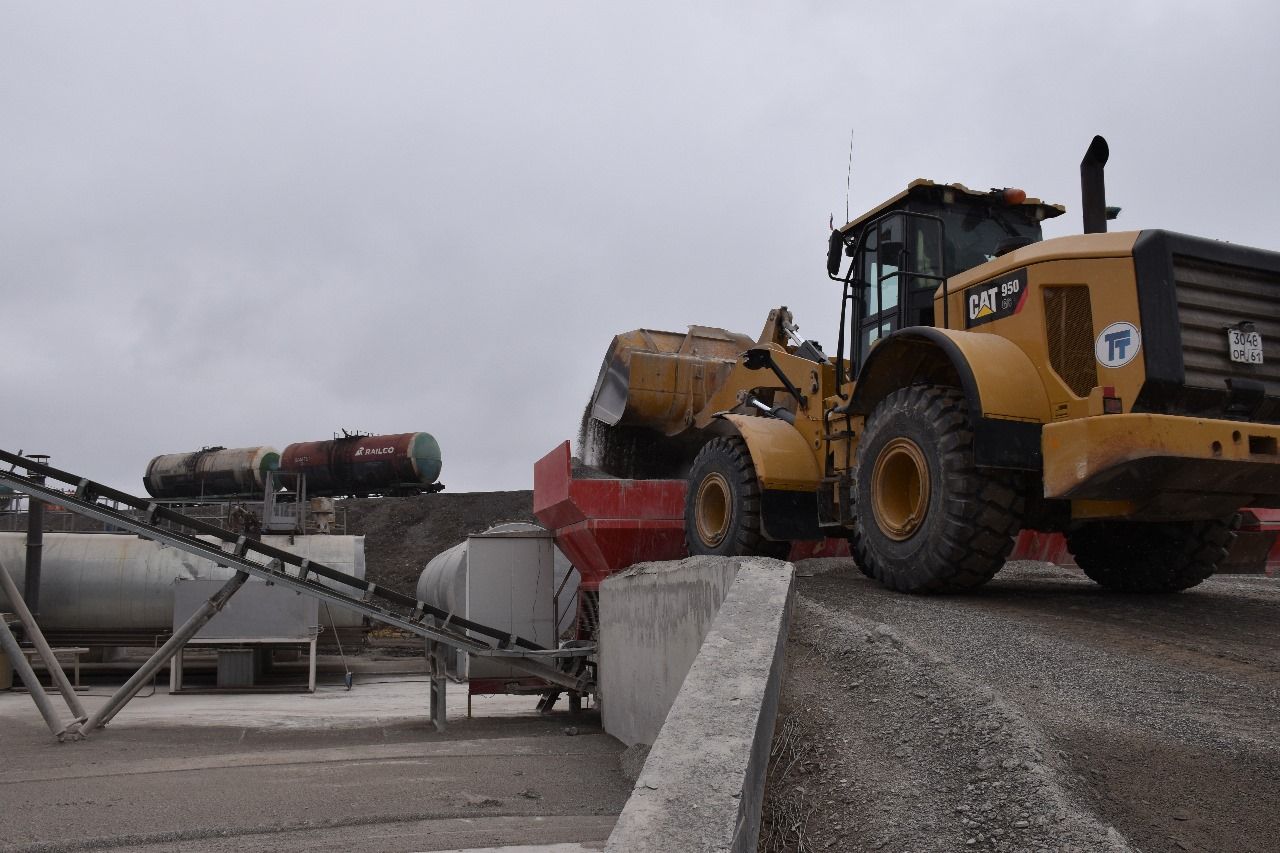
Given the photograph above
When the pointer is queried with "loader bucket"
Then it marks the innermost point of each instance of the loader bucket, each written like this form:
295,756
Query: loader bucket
660,380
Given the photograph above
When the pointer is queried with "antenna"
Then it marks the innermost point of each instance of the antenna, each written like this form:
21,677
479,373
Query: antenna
848,178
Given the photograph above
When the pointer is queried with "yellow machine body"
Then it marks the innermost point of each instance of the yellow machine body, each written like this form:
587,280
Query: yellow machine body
1090,428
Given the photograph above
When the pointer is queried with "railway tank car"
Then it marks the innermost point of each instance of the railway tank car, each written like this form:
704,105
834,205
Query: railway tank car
210,472
353,464
360,465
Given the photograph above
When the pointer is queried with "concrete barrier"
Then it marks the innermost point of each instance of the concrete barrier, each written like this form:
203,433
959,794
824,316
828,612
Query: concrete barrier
702,785
653,619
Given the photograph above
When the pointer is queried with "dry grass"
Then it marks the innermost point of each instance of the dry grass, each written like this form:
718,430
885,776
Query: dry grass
787,806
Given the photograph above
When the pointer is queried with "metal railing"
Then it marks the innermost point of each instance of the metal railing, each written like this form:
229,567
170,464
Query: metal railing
58,519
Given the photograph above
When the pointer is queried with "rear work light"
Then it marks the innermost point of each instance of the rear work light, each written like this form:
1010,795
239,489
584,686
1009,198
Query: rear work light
1111,404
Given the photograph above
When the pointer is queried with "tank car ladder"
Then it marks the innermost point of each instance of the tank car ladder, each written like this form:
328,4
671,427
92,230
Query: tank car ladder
253,558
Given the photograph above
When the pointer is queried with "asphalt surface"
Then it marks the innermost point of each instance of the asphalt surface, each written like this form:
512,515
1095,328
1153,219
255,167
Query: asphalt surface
334,771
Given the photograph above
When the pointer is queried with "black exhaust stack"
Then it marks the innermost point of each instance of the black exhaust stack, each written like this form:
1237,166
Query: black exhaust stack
1093,190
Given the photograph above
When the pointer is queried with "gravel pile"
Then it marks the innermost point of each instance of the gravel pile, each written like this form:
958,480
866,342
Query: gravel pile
1038,713
893,749
403,534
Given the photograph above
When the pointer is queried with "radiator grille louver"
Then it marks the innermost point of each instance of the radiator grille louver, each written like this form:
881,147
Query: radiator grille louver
1212,296
1068,317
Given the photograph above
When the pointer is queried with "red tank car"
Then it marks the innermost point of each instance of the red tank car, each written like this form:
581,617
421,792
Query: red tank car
404,464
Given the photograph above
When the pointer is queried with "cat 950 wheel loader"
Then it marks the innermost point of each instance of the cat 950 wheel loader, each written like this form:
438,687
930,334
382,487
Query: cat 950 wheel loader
1121,388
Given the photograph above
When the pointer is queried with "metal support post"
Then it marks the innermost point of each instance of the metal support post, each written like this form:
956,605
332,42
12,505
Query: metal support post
28,676
188,630
35,539
439,683
35,553
42,647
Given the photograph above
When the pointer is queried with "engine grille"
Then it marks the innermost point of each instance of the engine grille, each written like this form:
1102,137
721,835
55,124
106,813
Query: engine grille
1212,296
1068,317
1191,290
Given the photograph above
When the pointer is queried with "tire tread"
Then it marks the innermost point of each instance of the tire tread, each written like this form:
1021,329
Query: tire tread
1151,557
747,539
982,508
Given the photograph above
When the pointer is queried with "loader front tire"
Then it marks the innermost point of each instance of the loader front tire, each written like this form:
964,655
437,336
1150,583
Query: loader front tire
1144,556
722,507
926,519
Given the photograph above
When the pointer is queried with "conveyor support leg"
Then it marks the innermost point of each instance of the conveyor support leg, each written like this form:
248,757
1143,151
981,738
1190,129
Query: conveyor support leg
188,630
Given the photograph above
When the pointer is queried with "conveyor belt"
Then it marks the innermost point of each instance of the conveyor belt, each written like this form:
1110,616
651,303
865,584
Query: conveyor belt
290,570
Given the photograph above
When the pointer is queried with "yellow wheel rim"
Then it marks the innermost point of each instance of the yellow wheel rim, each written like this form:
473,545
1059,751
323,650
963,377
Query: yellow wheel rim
712,509
900,488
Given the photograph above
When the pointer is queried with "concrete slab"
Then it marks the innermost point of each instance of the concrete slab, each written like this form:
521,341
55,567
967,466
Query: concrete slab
336,770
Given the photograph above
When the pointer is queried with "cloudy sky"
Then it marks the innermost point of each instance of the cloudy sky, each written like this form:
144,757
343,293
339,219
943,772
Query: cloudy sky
258,223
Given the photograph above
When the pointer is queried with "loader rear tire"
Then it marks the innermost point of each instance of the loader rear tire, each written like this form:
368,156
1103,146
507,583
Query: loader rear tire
1144,556
926,518
722,507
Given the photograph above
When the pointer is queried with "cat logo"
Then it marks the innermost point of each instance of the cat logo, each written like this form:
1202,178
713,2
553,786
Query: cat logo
983,303
993,300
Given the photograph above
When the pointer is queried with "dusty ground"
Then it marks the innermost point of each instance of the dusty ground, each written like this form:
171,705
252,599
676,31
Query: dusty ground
1040,713
403,534
333,771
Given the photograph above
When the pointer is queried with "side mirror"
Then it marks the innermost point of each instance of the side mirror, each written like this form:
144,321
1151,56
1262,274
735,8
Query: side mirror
835,252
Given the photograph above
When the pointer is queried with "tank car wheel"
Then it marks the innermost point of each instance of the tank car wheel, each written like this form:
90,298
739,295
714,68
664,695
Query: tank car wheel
926,519
722,508
1138,556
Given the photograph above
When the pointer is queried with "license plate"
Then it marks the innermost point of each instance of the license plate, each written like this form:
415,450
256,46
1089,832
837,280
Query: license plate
1245,347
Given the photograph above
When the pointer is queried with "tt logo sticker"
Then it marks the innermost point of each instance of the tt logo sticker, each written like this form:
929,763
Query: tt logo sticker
1117,345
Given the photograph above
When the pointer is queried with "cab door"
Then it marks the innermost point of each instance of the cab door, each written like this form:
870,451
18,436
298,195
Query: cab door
900,266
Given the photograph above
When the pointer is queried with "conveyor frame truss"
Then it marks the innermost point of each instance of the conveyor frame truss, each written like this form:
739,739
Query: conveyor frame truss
287,569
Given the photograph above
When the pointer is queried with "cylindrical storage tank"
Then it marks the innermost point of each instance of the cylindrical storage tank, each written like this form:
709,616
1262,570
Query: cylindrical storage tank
406,463
107,585
215,471
503,588
443,583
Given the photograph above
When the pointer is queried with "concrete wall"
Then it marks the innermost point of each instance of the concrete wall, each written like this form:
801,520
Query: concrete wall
653,618
703,783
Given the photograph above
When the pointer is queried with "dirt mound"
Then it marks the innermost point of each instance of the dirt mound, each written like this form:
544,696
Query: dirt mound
402,534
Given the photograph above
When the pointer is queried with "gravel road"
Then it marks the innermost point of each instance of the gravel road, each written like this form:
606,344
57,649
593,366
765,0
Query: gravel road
1039,713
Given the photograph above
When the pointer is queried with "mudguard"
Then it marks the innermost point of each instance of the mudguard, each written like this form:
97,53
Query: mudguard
783,459
1006,398
789,476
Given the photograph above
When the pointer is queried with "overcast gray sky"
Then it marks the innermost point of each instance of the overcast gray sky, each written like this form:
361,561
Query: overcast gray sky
257,223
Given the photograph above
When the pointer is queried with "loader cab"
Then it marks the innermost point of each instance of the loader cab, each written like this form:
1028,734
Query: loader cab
901,251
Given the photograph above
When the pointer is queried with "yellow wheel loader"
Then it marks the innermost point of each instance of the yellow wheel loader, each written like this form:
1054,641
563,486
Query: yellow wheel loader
1121,388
